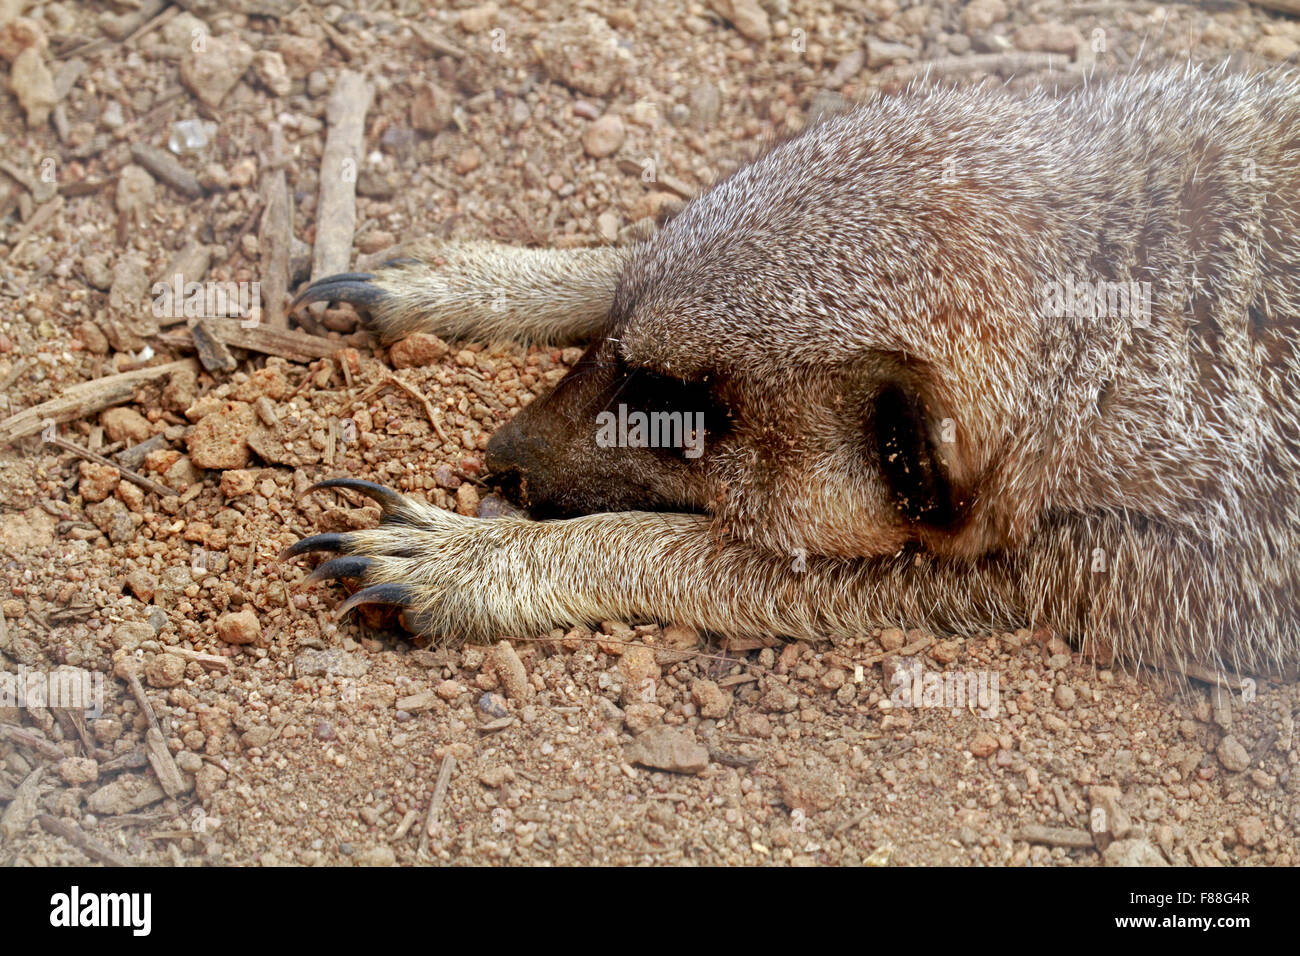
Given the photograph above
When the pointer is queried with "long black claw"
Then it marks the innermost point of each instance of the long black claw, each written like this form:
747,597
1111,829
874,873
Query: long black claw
348,566
387,498
396,594
330,541
399,261
351,287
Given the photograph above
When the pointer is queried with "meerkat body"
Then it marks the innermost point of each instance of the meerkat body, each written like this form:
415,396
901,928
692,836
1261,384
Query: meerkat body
963,360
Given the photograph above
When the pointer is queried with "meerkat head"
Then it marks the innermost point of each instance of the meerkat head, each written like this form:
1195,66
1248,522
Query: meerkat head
838,339
609,437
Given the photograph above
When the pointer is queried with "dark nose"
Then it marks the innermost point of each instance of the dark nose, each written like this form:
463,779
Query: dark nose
511,455
504,449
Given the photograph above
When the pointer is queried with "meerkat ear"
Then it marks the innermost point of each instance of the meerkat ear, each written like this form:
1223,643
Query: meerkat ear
917,482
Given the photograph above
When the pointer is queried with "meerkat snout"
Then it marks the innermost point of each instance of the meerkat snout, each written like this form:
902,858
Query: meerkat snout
608,438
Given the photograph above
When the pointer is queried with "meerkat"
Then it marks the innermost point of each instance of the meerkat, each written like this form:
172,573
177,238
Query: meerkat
960,359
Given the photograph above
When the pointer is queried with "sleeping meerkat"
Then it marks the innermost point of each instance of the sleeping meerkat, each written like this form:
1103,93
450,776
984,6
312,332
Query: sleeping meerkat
955,359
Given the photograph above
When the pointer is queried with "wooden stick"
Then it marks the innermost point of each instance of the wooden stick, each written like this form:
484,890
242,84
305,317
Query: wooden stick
404,827
78,721
155,744
40,217
213,354
66,77
210,661
167,168
341,43
131,760
163,763
1070,837
909,650
189,264
233,249
289,344
20,812
336,210
41,191
276,236
1215,678
81,400
435,43
423,399
85,187
83,841
141,698
134,456
25,738
148,484
151,25
435,804
481,389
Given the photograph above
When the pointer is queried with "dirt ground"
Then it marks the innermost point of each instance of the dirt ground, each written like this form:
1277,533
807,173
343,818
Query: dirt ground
263,730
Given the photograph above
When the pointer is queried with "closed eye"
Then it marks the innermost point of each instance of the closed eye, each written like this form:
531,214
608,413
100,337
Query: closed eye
683,417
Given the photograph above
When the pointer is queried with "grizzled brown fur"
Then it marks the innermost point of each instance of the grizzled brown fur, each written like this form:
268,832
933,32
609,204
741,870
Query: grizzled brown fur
906,421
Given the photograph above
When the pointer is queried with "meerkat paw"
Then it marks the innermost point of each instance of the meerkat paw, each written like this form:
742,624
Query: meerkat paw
444,571
484,291
377,296
355,288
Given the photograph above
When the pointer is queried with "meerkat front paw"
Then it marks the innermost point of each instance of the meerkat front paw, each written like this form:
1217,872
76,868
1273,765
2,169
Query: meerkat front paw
379,297
481,291
449,574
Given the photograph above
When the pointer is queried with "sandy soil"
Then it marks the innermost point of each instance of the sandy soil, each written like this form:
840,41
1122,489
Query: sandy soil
285,736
